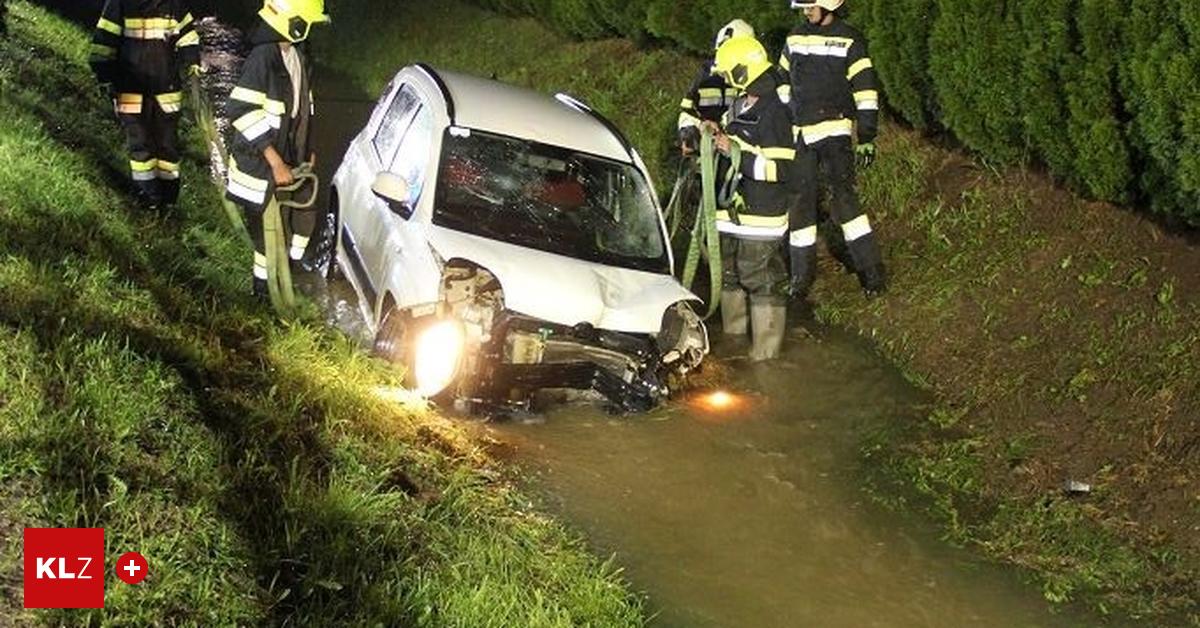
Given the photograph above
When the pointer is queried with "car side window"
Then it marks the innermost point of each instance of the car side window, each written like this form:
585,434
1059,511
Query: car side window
381,106
412,158
395,123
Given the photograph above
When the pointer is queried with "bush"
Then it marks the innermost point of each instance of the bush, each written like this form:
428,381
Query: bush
1101,91
898,32
970,40
1048,60
1102,164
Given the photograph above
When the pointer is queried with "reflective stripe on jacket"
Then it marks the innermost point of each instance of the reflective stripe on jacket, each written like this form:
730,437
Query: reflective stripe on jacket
708,98
142,45
260,110
833,82
763,131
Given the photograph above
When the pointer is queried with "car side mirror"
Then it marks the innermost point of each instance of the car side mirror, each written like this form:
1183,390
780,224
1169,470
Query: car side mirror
394,191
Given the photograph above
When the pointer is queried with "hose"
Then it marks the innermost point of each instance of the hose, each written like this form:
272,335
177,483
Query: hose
206,122
674,210
279,271
705,239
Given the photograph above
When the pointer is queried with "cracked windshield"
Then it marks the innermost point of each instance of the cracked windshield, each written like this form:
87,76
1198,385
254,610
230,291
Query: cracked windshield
548,198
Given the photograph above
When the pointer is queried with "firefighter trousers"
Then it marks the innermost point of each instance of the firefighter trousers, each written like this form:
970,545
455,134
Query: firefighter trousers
755,267
151,123
830,161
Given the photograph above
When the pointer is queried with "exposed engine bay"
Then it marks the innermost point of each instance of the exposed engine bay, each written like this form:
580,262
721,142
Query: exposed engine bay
508,357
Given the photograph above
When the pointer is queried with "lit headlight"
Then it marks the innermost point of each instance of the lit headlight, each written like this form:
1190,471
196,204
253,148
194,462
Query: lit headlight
439,351
683,338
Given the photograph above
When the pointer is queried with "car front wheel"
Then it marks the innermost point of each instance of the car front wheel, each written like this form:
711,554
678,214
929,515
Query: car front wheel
324,258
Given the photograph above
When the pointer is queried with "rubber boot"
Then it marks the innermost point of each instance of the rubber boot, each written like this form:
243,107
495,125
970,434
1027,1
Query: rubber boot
769,323
733,313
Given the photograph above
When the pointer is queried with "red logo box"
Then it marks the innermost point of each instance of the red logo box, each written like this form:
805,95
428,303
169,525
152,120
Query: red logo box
64,568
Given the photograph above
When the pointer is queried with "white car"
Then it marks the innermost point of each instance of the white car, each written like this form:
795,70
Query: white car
503,241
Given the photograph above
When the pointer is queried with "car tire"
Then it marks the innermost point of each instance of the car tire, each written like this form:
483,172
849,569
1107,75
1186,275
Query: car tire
392,338
324,257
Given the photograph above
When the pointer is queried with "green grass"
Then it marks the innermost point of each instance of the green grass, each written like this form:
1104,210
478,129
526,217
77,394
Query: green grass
1055,335
257,464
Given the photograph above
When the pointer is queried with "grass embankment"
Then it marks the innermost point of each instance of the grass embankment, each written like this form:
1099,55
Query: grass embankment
252,462
1061,338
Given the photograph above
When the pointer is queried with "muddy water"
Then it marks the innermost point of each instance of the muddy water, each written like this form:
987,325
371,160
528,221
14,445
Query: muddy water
755,515
751,515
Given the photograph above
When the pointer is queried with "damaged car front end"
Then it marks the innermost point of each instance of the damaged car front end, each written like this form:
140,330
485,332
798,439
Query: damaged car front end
508,360
507,244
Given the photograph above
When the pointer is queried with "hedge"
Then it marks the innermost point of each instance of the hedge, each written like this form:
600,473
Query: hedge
1102,92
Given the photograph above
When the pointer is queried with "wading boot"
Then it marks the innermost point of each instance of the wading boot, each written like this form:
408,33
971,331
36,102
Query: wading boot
768,320
733,313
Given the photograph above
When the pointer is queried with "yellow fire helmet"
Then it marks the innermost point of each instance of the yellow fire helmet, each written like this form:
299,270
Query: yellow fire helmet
736,28
740,61
293,18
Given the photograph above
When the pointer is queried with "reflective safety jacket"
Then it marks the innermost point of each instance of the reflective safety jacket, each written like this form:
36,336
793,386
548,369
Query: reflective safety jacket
764,133
708,98
832,81
265,110
141,46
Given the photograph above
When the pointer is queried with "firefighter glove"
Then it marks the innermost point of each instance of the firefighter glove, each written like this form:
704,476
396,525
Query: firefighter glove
689,139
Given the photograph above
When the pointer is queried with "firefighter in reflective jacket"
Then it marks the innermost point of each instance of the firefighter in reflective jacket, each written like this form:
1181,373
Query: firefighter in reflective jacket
833,90
754,226
710,96
271,110
138,50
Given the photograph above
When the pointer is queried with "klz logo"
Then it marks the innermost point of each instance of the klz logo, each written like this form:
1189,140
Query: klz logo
45,569
64,567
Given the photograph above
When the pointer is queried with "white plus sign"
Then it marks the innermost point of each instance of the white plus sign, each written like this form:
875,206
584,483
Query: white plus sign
132,568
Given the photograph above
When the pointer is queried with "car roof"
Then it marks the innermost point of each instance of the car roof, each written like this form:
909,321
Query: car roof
489,105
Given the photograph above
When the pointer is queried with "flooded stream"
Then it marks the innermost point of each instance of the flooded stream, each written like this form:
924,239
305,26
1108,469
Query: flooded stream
749,515
754,515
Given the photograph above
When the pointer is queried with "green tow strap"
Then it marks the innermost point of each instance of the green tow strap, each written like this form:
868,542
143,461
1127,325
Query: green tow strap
279,271
705,238
206,122
674,210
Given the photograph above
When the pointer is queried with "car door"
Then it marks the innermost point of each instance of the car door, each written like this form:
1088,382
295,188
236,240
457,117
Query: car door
400,240
375,156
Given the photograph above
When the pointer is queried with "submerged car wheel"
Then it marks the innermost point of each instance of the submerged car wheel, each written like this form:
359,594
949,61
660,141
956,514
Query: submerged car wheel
429,348
324,257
